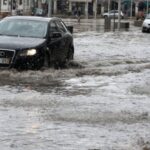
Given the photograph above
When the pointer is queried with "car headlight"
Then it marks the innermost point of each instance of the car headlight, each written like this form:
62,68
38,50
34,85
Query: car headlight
29,52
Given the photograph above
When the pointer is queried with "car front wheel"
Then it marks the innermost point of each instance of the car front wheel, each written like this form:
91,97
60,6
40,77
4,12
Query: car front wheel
46,63
143,30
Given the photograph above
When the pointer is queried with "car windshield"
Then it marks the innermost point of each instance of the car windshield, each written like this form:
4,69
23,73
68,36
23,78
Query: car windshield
113,11
23,28
148,16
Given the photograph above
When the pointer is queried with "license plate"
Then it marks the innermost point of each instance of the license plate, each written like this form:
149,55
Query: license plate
4,60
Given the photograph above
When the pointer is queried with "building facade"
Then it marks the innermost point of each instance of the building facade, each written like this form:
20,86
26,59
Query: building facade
12,6
88,7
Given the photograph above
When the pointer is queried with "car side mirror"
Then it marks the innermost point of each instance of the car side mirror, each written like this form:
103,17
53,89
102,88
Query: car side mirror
70,29
55,35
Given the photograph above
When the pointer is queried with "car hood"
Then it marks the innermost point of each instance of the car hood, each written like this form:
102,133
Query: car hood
106,13
18,43
147,21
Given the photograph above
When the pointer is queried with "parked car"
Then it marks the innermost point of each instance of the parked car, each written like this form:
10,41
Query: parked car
39,12
146,24
112,14
31,42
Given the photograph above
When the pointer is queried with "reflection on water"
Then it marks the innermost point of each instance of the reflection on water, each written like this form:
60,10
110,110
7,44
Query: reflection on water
86,25
99,25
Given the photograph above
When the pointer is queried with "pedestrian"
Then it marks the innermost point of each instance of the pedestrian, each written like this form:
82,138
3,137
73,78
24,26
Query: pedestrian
75,11
78,14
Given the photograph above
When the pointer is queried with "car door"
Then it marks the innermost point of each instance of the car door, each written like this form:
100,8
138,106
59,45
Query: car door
56,42
113,14
65,36
116,13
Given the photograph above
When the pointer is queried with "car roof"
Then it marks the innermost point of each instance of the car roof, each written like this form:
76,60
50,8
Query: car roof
35,18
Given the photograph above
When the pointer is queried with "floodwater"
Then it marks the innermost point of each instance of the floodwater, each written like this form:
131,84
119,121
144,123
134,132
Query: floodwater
101,102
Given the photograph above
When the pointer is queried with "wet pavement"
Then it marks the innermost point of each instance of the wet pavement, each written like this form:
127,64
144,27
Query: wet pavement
97,24
101,102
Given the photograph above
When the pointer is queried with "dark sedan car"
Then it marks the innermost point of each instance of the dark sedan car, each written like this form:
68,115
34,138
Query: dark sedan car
30,42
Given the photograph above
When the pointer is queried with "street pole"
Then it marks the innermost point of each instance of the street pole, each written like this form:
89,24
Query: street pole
131,9
86,9
24,7
108,5
95,9
119,13
147,6
0,9
49,8
114,16
11,6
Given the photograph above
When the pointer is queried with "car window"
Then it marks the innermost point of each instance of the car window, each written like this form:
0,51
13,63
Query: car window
53,27
63,24
112,11
61,27
23,27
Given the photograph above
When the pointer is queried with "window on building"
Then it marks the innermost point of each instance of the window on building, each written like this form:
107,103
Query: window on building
20,2
27,2
4,2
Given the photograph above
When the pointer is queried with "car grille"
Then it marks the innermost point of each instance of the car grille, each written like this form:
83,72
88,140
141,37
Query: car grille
6,57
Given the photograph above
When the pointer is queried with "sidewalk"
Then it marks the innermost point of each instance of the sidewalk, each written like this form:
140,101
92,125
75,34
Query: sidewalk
93,24
85,24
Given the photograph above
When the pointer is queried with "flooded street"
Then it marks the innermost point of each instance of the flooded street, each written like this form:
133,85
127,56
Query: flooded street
102,102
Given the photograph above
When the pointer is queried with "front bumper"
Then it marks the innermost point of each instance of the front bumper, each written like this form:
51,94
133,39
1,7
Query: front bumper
12,59
6,57
146,28
28,62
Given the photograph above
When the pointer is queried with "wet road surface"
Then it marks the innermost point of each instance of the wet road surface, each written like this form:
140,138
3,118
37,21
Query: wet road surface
100,102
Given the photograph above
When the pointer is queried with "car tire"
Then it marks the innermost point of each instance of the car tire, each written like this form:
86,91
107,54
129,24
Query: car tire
46,63
143,30
60,64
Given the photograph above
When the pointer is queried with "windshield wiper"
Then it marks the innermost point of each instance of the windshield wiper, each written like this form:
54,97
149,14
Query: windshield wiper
9,35
29,36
